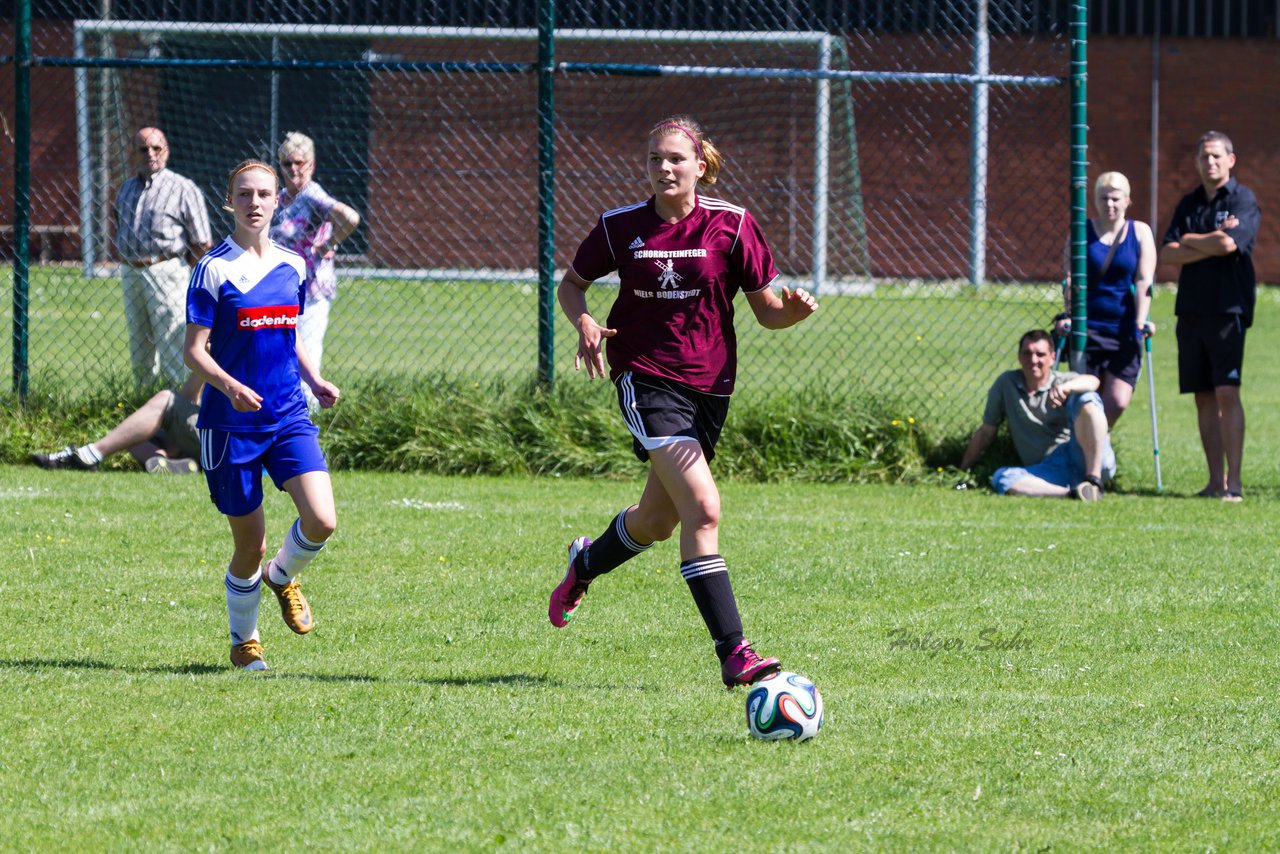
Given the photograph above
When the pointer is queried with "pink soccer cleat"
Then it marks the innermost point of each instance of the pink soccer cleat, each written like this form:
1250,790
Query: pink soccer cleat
743,666
568,594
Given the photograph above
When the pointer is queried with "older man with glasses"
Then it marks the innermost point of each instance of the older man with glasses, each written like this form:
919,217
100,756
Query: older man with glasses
162,228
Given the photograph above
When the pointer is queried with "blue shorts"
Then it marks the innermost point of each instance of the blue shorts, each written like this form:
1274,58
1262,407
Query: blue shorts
233,462
1064,466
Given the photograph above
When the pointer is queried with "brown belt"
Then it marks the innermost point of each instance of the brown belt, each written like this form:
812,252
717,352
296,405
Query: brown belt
148,262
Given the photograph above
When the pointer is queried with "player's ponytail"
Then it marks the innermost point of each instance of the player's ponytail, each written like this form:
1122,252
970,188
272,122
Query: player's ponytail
714,159
243,166
702,145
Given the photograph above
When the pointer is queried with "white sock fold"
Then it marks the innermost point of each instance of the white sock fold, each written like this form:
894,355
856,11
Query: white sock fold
89,454
243,596
295,553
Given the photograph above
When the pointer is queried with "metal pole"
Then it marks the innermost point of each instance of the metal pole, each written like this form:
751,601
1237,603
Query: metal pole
821,167
546,192
104,92
1079,29
84,163
978,141
1155,431
21,194
274,139
1155,121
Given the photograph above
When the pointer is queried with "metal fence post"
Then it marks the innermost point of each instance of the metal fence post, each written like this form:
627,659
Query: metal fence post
978,143
546,192
21,195
1079,178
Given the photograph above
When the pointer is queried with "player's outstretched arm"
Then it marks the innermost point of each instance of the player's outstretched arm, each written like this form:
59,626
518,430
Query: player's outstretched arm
778,312
195,352
572,296
326,393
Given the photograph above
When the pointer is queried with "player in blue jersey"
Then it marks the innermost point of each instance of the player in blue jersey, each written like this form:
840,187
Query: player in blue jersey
242,315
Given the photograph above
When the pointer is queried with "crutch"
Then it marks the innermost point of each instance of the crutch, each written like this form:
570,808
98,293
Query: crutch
1155,432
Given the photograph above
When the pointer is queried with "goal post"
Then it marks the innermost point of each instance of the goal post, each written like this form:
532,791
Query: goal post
789,61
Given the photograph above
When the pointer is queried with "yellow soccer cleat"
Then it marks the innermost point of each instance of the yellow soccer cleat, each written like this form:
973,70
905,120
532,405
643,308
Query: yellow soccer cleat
248,656
293,605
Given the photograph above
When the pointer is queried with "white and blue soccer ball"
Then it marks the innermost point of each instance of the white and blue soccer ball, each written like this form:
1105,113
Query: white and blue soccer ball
784,705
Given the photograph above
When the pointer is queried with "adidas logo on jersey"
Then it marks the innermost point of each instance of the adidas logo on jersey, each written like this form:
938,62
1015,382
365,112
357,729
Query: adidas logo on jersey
267,317
636,244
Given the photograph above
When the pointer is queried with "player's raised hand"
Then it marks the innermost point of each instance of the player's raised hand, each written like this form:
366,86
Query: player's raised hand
590,350
245,399
798,304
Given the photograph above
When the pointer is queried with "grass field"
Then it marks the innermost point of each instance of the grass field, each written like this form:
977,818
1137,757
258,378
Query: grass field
1129,704
434,708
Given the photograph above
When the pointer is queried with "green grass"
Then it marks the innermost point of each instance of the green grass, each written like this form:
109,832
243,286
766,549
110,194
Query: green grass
434,708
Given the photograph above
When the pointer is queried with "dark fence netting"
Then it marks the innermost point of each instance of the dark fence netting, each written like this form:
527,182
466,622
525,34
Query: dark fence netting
926,206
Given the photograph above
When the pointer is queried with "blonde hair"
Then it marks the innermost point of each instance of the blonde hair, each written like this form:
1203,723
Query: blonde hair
702,146
296,143
244,166
1112,181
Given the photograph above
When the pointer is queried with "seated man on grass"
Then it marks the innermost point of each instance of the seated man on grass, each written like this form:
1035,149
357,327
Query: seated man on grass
1057,424
161,435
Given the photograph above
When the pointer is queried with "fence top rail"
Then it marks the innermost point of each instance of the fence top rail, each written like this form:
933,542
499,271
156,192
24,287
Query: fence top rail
940,77
95,25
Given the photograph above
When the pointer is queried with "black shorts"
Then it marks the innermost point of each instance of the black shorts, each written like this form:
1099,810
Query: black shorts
1210,352
1118,355
662,412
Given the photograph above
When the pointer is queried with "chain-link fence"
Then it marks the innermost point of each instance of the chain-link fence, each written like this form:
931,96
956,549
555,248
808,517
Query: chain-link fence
911,165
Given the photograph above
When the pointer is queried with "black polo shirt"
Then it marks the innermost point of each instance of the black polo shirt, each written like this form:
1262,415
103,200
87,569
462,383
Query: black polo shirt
1220,284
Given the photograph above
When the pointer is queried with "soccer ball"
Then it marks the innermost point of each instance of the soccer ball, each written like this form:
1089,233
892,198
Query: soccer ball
784,705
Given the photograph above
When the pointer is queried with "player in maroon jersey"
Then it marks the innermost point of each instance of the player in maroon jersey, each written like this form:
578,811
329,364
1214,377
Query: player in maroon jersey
682,258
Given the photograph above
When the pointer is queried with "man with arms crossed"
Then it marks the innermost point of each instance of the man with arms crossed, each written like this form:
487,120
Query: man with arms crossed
1211,241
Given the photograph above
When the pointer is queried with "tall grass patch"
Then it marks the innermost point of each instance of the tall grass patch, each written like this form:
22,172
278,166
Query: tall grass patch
444,425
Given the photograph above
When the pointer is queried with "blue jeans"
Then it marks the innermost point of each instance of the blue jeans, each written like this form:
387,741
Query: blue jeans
1065,464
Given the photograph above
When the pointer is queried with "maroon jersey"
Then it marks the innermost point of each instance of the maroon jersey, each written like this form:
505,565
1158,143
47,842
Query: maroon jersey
674,312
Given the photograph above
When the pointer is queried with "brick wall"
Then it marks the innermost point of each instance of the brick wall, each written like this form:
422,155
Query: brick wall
1223,84
1227,85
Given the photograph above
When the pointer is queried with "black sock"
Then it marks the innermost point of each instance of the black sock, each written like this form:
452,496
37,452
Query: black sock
614,548
708,580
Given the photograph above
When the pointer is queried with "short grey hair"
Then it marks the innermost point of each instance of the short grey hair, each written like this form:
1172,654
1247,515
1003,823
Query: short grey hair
299,144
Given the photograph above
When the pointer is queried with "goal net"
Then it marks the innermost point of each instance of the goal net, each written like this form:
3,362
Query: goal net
431,132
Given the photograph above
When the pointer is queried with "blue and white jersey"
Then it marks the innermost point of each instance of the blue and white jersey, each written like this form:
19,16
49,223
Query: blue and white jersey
251,307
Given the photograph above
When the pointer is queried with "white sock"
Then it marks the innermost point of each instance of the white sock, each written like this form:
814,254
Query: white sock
243,595
89,454
295,553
